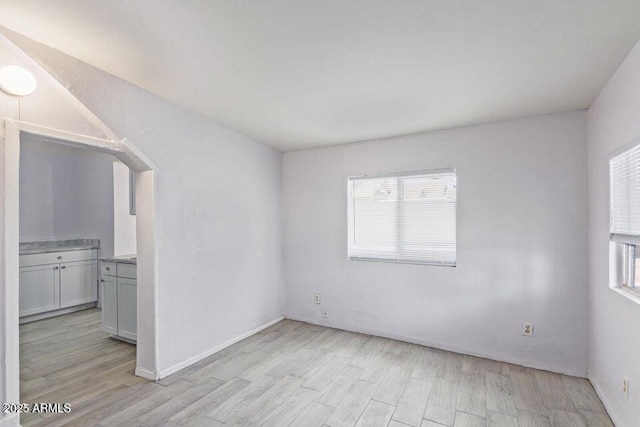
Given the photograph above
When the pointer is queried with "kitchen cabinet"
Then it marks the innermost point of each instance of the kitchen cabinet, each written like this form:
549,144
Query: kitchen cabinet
109,304
39,289
56,282
74,280
120,300
127,308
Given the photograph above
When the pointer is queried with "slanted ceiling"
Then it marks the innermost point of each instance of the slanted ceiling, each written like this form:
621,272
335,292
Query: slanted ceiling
299,74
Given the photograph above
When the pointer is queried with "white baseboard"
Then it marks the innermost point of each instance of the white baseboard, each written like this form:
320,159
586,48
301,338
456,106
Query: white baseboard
60,312
604,400
146,374
190,361
11,421
438,345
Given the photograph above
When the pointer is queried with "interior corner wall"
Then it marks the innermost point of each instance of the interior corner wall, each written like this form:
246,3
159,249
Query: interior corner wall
124,224
521,243
218,197
614,320
65,193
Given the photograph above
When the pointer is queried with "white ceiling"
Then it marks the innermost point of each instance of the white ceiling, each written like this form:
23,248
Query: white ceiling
297,74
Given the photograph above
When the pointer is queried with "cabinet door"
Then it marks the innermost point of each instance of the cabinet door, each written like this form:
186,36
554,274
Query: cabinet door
78,283
127,308
109,304
39,289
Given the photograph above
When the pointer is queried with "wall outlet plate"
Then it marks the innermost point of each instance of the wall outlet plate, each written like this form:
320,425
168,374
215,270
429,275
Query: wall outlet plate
625,387
316,298
527,329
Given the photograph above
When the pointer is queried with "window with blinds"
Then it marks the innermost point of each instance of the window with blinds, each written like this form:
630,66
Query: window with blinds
403,218
624,216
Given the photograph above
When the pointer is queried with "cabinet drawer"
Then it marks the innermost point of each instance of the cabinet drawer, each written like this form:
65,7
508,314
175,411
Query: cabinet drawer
107,268
128,271
57,257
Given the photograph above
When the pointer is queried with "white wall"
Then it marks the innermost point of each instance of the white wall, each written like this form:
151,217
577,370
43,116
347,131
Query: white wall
124,224
65,193
614,320
219,210
48,192
47,106
5,360
521,243
95,186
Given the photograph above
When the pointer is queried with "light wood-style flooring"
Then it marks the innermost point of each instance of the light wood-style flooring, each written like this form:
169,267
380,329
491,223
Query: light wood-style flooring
292,374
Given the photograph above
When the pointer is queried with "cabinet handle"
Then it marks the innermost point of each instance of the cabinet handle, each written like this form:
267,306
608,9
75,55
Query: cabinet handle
55,268
102,280
63,267
107,268
59,257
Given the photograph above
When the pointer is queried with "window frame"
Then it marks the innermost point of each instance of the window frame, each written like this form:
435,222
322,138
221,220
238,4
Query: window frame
629,267
350,217
627,246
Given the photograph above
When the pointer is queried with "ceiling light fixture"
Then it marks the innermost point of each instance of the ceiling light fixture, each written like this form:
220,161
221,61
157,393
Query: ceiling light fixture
17,81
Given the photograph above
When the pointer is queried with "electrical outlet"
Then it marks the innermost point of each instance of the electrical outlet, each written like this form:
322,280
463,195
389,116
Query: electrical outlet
625,387
316,298
324,314
527,329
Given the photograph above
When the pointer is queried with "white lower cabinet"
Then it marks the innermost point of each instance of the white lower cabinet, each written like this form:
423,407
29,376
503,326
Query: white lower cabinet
127,308
110,304
51,282
74,278
120,300
39,289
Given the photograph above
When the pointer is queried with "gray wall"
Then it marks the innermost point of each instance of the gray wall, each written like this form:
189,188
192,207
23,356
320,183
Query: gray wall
521,243
65,193
614,319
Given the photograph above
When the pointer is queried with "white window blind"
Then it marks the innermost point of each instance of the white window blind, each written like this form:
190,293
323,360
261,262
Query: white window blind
403,218
624,182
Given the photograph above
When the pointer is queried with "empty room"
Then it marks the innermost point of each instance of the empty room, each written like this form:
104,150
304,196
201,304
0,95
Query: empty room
418,213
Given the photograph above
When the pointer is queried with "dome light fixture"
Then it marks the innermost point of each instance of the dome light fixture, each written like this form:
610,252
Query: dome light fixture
17,81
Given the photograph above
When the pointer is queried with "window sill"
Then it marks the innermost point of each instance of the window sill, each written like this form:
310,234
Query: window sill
633,296
402,261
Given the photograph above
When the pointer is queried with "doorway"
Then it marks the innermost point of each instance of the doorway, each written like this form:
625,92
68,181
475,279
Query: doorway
147,344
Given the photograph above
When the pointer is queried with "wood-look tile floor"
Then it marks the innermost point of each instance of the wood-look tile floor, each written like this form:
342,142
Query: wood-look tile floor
291,374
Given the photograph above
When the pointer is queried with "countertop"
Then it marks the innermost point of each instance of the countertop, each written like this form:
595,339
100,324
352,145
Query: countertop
42,247
126,259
